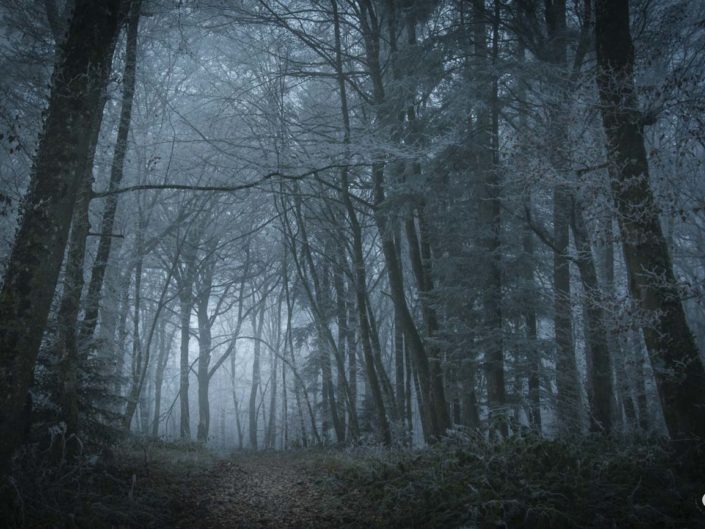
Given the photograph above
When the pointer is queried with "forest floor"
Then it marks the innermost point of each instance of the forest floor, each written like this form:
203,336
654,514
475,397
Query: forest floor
261,490
469,483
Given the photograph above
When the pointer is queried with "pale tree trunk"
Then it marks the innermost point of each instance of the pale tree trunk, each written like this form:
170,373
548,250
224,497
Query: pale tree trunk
257,324
678,368
285,410
165,342
137,349
185,285
271,432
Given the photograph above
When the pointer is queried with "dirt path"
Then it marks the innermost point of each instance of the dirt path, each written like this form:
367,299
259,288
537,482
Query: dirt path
257,491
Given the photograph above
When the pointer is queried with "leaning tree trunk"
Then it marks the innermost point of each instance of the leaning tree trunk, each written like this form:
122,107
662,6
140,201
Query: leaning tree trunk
432,390
678,368
59,166
95,285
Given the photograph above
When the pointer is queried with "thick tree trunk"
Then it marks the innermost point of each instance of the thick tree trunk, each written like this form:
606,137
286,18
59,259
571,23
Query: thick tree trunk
678,368
59,167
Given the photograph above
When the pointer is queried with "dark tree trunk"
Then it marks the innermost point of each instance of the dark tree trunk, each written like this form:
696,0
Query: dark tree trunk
533,351
204,358
67,344
487,163
600,392
95,285
59,167
678,368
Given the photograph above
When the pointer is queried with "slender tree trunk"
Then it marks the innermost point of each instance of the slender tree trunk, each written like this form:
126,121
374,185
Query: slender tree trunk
399,383
271,432
185,305
534,354
163,358
600,391
257,324
678,368
487,162
106,229
67,344
202,373
122,331
236,403
137,352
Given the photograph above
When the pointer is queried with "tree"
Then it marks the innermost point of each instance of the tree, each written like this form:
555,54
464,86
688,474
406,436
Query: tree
678,368
59,167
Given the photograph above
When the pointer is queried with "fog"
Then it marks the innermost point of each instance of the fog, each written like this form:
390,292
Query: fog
265,236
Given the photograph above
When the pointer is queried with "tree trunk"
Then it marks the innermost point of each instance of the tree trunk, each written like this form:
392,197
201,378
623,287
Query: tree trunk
95,285
487,163
185,304
59,167
163,358
204,358
533,353
600,393
678,368
257,324
67,345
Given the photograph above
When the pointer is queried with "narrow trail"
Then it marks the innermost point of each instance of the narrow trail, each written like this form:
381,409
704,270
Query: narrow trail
256,491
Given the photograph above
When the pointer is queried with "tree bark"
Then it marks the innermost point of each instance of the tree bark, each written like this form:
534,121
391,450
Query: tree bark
257,324
600,393
678,368
95,285
59,167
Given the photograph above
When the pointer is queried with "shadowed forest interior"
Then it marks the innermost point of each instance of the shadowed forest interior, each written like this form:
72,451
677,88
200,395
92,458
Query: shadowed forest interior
352,263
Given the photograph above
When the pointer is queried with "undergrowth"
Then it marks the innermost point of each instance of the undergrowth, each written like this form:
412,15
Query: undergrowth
523,482
132,485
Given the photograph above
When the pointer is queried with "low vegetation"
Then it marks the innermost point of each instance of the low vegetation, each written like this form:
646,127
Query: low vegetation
524,482
137,484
